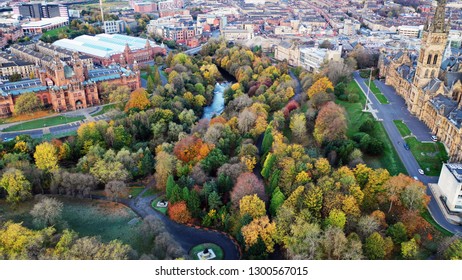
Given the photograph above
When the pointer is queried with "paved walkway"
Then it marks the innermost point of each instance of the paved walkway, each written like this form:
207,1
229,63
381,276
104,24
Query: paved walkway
397,110
186,236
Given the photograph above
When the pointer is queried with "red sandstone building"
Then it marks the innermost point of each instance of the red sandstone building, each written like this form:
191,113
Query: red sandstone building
67,84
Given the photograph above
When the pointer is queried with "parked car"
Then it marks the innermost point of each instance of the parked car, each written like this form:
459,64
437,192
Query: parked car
415,178
434,138
406,146
421,172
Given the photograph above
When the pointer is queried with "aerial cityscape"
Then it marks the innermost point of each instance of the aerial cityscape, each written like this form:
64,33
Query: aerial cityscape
231,130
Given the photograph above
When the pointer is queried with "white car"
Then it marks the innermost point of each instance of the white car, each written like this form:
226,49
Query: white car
421,172
434,138
415,178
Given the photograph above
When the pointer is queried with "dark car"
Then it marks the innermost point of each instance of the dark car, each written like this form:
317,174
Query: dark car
406,146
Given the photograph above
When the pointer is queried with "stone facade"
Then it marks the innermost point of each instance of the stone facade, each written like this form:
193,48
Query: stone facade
430,83
67,84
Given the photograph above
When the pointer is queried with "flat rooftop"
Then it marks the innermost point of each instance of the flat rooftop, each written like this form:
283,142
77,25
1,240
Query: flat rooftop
45,22
456,170
103,45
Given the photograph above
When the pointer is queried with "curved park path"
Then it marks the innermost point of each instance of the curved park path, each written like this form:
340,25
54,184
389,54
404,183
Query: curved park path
186,236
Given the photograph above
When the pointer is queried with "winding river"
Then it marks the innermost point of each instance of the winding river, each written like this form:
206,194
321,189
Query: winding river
218,103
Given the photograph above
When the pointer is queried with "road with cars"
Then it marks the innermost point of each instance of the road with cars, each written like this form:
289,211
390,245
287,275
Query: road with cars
397,110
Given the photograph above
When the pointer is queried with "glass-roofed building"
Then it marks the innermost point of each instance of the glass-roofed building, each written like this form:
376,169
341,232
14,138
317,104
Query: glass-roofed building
108,48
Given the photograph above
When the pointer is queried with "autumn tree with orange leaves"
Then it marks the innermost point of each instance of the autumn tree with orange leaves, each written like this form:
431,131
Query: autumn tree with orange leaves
191,149
179,212
138,100
321,85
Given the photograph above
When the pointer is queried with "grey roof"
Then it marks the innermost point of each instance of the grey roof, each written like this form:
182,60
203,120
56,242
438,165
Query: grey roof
441,102
433,85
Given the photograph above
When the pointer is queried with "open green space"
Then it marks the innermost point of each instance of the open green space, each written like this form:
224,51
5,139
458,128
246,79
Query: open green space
104,110
373,87
389,159
49,136
135,191
429,155
88,218
402,127
41,123
149,192
201,247
428,217
55,32
160,209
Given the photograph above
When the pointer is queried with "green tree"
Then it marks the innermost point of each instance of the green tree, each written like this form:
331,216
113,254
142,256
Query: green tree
150,85
454,250
268,165
156,77
267,141
397,232
213,161
336,218
26,103
409,249
194,203
169,186
277,199
214,200
374,247
16,185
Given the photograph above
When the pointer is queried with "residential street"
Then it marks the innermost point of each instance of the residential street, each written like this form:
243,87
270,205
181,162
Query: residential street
397,110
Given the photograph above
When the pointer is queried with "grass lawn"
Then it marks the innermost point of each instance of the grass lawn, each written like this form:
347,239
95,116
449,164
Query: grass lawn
26,117
106,108
426,215
55,32
149,192
89,218
402,127
429,155
216,249
135,191
382,99
50,136
160,209
355,116
56,120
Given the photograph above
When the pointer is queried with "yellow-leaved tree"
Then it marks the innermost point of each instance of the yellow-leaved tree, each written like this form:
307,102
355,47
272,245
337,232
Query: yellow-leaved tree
321,85
46,157
252,205
138,100
260,228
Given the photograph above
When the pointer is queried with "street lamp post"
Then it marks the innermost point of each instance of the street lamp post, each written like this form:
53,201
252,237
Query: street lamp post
368,89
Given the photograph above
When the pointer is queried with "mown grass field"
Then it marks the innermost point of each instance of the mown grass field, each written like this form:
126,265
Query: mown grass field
402,127
355,116
380,97
88,218
429,155
41,123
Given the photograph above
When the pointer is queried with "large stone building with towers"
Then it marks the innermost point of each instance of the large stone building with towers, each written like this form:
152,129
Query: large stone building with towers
64,80
431,82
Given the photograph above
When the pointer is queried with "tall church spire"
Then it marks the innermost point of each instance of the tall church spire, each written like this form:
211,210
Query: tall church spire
438,23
